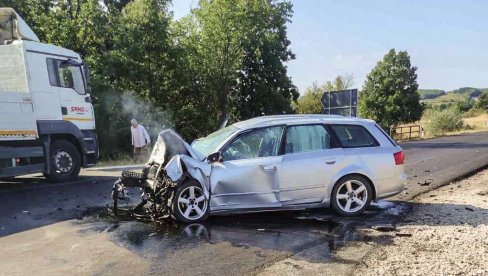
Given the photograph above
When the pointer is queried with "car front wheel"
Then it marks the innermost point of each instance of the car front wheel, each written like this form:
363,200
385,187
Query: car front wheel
351,196
190,203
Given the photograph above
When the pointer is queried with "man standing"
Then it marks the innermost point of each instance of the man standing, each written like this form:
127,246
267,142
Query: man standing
140,139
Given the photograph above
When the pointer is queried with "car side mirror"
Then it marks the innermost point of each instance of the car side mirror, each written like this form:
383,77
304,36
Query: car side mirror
215,157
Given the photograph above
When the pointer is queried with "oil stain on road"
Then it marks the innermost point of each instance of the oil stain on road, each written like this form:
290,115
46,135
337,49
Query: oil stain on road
240,243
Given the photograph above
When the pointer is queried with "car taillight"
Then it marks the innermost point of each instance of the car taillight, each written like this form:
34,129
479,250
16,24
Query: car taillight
399,157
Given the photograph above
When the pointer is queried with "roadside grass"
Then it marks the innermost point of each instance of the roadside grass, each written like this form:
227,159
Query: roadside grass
473,121
119,160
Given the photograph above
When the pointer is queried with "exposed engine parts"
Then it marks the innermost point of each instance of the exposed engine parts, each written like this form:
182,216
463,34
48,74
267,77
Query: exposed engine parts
170,166
157,192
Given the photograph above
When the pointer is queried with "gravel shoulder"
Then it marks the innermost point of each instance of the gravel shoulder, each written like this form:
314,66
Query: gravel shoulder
445,234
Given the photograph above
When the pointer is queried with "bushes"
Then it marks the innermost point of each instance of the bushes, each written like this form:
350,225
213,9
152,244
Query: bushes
113,111
440,121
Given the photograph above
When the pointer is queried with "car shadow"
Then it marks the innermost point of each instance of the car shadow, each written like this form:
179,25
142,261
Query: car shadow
290,231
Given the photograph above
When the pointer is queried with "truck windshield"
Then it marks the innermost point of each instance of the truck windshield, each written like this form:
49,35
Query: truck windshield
208,145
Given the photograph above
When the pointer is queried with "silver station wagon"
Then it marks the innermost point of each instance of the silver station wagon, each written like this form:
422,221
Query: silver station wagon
271,163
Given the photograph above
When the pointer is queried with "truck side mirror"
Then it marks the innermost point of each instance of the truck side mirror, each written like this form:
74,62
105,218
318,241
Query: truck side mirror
215,157
86,74
86,77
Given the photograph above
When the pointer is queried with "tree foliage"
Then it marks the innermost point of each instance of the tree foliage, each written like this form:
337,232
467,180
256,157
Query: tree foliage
440,121
311,100
241,46
482,101
389,95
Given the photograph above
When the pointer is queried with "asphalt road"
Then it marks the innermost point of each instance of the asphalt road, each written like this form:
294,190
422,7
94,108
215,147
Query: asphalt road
66,228
435,162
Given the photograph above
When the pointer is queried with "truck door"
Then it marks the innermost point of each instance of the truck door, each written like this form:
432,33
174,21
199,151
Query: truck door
75,102
44,87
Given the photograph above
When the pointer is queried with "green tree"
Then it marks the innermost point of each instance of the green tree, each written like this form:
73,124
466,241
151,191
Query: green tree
234,52
389,95
341,82
222,27
263,86
140,60
482,101
311,100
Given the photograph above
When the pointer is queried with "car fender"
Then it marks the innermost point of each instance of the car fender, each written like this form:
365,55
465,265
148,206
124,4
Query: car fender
352,169
200,171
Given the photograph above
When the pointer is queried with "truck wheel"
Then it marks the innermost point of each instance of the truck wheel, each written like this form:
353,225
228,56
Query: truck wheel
189,203
65,161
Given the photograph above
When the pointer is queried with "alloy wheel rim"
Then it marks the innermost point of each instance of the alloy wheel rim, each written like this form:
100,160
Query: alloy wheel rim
191,203
351,196
63,161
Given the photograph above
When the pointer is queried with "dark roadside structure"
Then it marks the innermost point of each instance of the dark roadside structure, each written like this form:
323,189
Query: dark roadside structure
342,102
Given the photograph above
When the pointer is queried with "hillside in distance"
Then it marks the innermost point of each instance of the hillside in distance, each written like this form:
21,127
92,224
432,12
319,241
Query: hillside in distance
437,96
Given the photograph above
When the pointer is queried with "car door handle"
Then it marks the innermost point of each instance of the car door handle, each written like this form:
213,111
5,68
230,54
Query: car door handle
270,169
330,162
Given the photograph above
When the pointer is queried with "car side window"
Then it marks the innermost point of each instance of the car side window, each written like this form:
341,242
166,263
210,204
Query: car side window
307,138
353,136
261,142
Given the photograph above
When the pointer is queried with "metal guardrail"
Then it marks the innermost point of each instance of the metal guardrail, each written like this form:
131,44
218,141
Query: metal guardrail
407,132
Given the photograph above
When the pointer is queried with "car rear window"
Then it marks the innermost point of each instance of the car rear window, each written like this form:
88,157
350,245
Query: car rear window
386,135
354,136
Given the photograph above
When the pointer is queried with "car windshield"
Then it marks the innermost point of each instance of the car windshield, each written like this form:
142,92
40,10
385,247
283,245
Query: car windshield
208,145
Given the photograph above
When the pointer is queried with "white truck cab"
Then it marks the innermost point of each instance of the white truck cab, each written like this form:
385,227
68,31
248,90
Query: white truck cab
47,121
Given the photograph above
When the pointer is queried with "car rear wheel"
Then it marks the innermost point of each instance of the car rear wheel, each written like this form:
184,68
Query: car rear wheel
190,203
351,196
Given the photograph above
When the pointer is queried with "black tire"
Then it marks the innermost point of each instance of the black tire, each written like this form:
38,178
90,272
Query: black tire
355,179
65,161
177,208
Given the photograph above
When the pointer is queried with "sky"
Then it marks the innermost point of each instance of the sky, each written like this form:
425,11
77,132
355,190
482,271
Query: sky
447,40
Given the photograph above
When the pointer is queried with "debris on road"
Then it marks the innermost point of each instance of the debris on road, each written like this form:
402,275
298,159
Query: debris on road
483,193
400,234
384,228
426,182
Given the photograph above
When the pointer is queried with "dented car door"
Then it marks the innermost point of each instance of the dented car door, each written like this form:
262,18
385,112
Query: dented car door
247,177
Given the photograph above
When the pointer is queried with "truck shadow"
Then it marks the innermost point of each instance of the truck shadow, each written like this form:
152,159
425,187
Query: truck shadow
32,202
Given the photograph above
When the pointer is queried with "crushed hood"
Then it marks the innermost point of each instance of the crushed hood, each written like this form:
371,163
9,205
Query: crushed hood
170,144
13,27
172,152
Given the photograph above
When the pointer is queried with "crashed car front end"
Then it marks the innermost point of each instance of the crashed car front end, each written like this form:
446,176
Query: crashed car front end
172,163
